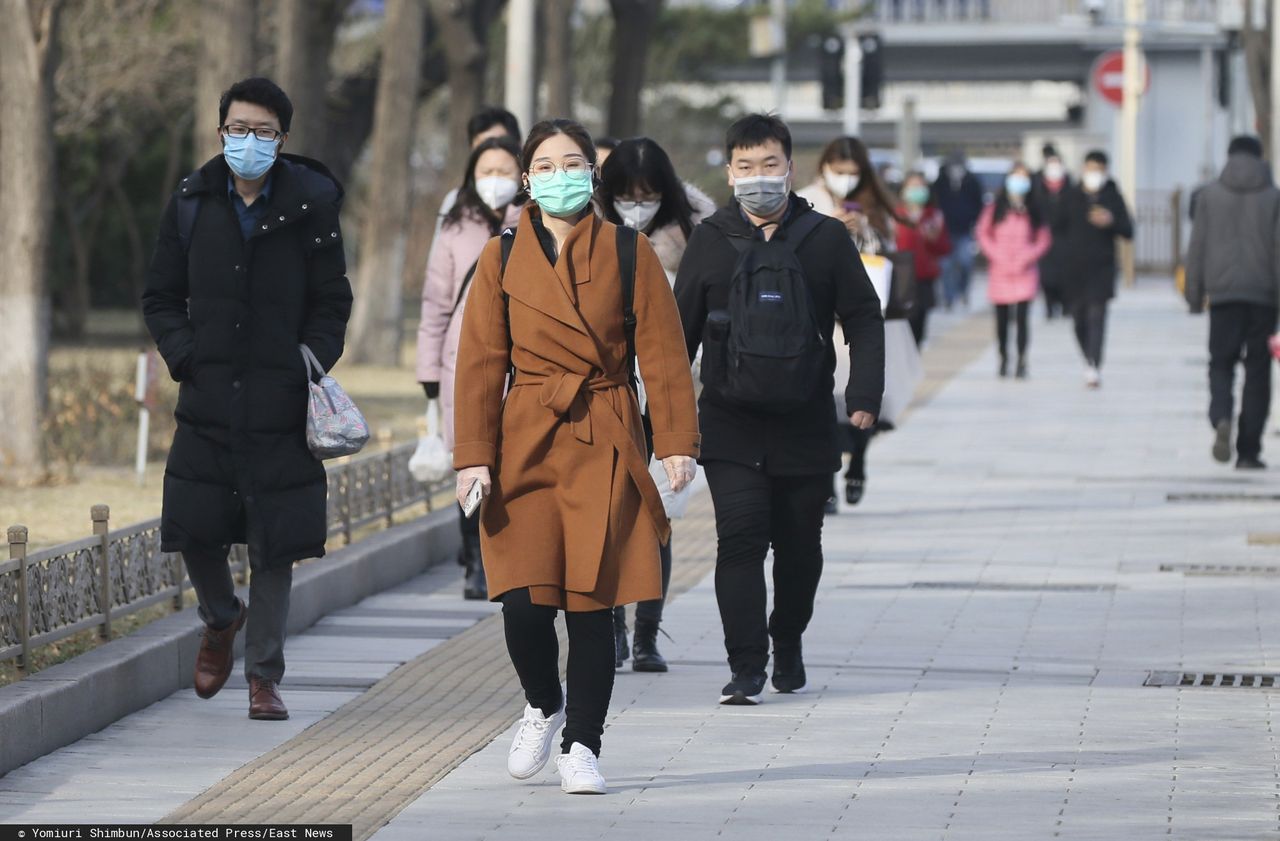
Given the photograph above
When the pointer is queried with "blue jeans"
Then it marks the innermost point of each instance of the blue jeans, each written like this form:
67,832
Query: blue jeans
957,267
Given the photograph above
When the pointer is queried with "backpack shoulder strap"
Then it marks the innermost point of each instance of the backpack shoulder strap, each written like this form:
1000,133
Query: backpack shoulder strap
626,244
188,207
798,231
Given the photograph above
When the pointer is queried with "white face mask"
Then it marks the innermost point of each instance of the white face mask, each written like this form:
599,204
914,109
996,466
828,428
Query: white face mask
497,191
637,214
1054,171
841,184
1094,180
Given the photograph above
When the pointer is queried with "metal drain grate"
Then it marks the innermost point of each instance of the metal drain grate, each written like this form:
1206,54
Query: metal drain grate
1222,497
1011,587
1222,680
1220,569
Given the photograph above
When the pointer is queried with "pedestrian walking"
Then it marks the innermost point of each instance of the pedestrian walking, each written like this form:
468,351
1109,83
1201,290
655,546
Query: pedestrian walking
604,148
768,272
1233,266
1047,188
639,188
925,238
486,204
489,122
248,267
959,196
1014,235
849,189
572,519
1090,216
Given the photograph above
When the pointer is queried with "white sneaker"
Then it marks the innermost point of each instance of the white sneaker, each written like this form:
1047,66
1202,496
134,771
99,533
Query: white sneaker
1092,377
580,771
532,745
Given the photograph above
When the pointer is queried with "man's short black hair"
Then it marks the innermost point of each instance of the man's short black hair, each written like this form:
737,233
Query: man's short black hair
1097,156
259,91
756,130
490,116
1247,144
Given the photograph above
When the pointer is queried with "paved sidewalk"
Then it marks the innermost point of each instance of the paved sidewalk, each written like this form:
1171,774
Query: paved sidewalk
987,620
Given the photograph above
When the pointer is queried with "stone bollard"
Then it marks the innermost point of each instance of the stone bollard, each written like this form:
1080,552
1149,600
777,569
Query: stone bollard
101,515
18,552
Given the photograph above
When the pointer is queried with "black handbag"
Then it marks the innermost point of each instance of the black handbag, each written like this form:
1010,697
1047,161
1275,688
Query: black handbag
902,285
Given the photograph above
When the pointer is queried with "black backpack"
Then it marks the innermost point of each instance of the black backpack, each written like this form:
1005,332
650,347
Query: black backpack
766,350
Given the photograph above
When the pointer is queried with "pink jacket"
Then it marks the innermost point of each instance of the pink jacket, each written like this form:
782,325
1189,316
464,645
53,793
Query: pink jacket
454,251
1013,253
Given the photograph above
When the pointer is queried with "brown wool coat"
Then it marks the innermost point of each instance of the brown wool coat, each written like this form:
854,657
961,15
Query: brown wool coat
574,515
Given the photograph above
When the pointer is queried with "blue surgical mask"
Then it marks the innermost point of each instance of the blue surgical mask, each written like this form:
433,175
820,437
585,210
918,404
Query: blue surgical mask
1017,184
563,194
249,157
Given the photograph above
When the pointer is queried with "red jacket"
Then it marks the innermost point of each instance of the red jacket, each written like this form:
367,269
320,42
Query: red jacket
927,249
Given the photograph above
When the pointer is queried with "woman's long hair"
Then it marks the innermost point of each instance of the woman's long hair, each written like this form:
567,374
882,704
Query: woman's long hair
642,163
469,202
1029,201
871,193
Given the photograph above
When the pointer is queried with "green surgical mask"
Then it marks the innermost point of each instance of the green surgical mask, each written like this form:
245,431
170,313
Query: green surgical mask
563,194
916,194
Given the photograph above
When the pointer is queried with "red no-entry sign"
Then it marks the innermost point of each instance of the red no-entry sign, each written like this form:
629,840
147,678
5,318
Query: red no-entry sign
1108,76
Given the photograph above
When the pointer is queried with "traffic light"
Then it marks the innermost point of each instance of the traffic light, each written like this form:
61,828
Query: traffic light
831,71
872,69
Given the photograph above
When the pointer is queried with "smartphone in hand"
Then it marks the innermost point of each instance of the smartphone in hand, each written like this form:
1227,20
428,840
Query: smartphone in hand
474,497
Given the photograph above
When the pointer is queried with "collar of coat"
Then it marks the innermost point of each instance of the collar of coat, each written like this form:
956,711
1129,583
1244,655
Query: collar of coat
550,289
732,222
298,187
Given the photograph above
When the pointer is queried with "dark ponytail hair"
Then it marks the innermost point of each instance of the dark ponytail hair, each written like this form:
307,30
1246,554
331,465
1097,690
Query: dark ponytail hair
469,201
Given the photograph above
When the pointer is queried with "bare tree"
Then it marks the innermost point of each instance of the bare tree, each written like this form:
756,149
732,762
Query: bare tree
557,43
27,61
228,54
376,322
463,30
305,32
1256,39
634,22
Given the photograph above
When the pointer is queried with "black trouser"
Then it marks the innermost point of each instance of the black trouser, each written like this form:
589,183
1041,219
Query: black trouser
1054,303
926,299
468,526
1239,332
1091,329
753,512
1019,312
649,612
535,653
269,590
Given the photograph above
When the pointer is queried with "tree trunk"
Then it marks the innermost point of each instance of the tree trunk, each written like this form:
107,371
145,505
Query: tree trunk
228,54
557,27
464,31
27,59
1256,39
306,31
376,321
133,239
634,22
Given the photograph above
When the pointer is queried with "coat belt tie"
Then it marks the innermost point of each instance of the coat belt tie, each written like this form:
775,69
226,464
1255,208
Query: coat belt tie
573,397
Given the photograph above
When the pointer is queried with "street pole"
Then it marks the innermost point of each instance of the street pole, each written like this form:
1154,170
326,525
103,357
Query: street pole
1134,81
1210,97
520,78
778,73
1275,81
909,135
852,117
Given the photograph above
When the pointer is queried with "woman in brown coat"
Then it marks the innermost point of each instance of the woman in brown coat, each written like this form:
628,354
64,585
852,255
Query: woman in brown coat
572,520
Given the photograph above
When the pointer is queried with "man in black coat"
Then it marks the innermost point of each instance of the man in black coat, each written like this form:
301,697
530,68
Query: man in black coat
248,266
959,196
770,470
1233,265
1089,217
1047,189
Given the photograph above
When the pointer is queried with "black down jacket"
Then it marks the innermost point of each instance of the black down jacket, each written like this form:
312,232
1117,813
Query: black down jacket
1089,252
227,315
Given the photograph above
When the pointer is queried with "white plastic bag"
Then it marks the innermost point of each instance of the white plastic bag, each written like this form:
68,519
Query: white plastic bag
903,370
431,461
675,504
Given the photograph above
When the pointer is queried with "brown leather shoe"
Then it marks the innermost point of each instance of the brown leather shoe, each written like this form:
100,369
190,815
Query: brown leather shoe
264,700
216,656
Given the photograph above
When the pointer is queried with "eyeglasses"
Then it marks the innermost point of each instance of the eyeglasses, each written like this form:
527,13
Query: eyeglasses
544,170
241,132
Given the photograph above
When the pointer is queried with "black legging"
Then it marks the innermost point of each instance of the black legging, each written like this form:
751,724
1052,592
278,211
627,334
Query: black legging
650,611
1002,327
535,653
